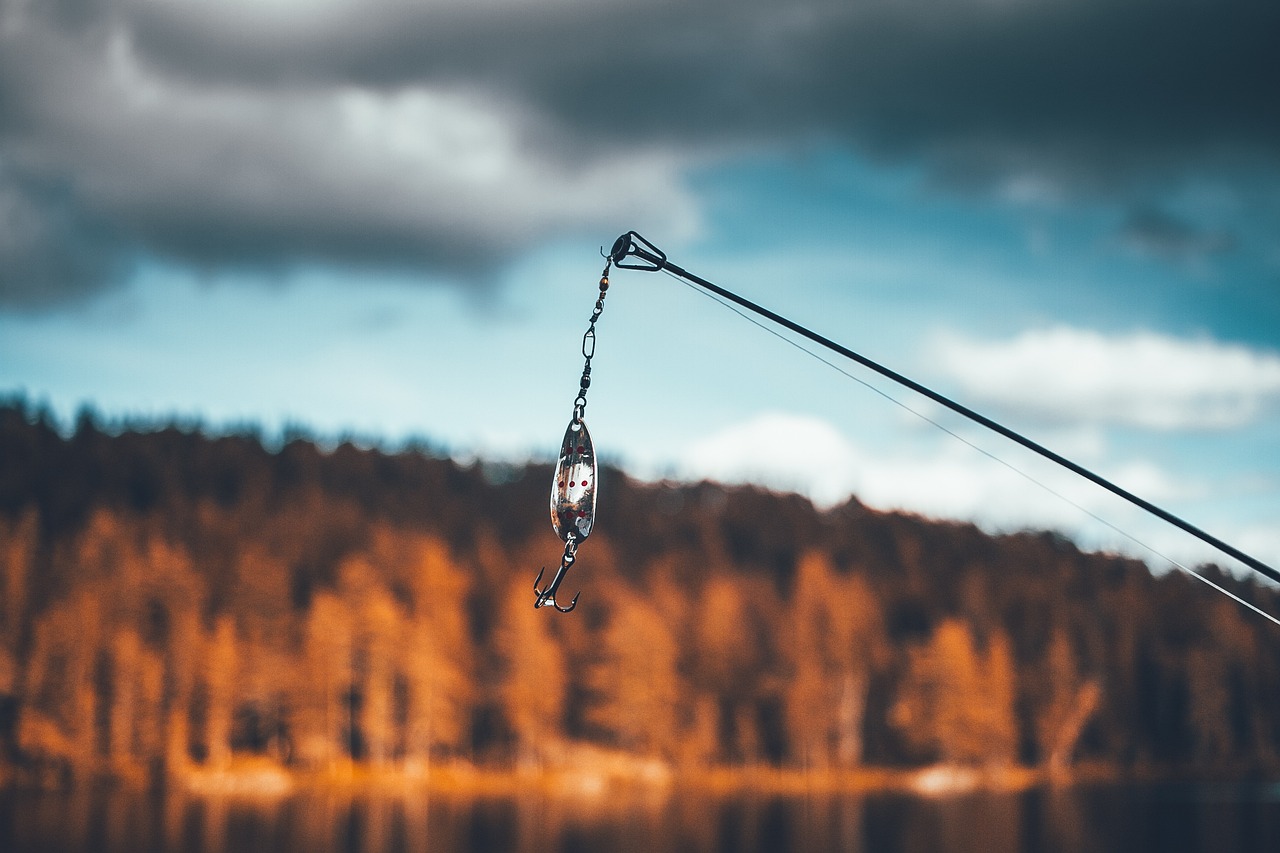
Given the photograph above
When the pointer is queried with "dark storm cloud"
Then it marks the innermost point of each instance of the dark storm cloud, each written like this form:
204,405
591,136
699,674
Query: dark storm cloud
51,251
1115,83
106,157
268,132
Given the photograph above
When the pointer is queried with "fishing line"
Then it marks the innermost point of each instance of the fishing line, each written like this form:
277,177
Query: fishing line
990,455
631,251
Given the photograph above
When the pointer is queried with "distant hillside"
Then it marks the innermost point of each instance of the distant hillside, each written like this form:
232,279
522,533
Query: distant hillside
170,600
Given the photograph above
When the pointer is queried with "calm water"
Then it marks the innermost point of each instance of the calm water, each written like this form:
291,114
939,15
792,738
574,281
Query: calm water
1179,819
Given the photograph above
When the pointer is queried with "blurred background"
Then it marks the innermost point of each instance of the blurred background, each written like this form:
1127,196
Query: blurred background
291,301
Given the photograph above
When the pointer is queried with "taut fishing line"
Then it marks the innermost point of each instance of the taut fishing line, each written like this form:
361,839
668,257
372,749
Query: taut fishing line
982,450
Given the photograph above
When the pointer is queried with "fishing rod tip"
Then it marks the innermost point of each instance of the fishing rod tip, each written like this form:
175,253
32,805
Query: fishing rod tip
632,245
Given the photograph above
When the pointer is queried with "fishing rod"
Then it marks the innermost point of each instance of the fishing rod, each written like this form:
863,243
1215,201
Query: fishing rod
633,252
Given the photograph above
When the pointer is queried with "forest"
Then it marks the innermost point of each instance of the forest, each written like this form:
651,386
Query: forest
173,600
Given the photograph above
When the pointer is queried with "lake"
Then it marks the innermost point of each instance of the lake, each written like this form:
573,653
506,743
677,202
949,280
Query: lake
1167,818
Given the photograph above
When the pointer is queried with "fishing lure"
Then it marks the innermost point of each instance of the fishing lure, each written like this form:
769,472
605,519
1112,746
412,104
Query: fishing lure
573,486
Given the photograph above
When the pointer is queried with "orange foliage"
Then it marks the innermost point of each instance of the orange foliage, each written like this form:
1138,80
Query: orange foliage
171,601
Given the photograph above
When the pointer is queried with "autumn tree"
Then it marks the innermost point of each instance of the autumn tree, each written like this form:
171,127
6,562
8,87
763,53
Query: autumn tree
18,542
956,702
1217,684
59,720
437,657
320,711
834,642
377,629
382,624
728,660
635,681
533,687
183,655
221,669
1066,702
1000,695
125,706
134,697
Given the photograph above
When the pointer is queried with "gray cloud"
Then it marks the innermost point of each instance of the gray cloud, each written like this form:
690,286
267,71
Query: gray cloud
1085,79
1158,233
447,137
433,177
51,251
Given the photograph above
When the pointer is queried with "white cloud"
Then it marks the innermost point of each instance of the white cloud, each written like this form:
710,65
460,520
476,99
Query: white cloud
1142,379
781,451
1262,542
808,455
803,454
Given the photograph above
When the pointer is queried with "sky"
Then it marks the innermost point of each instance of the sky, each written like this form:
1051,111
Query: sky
383,220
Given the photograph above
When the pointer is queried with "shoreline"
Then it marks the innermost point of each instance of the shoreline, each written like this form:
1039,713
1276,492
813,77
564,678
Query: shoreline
602,775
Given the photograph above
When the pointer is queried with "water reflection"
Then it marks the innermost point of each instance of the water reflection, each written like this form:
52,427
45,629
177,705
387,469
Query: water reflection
1184,819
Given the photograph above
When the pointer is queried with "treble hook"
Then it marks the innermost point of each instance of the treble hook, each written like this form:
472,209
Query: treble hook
547,597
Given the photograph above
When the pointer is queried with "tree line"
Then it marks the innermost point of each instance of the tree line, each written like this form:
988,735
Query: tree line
171,599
